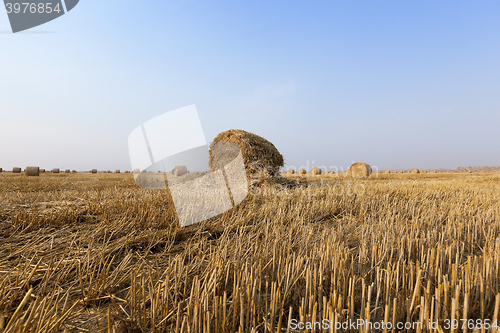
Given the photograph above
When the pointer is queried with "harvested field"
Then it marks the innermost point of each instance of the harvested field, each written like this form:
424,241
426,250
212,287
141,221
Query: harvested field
106,255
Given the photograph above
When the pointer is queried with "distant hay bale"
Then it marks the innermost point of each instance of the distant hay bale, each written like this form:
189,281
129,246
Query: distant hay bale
261,158
55,170
302,172
415,170
127,171
42,170
94,171
117,171
179,170
400,171
32,171
291,171
387,171
67,171
423,171
315,171
1,170
16,170
433,171
73,171
360,170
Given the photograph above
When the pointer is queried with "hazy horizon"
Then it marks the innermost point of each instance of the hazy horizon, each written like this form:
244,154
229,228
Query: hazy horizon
397,85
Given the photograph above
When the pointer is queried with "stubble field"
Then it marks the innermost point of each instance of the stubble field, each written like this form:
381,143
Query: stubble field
95,253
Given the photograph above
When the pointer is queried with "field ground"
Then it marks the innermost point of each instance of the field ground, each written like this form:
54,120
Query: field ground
94,253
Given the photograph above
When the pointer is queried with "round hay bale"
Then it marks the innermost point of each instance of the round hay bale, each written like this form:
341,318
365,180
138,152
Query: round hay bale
302,172
32,171
16,170
415,170
262,160
1,170
360,170
94,171
387,171
67,171
117,171
56,170
315,171
42,170
291,172
73,171
179,170
423,171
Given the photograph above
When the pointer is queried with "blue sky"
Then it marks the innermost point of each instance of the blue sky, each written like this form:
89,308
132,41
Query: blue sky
397,84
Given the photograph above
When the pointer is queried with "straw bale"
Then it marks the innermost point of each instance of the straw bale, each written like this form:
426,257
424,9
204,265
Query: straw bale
315,171
179,170
16,170
32,171
262,160
360,170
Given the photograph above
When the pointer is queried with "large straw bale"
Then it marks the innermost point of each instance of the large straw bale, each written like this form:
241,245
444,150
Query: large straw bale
179,170
415,170
315,171
94,171
32,171
55,170
360,170
67,171
16,170
261,158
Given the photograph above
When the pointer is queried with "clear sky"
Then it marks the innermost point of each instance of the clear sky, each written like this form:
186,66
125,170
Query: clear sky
397,84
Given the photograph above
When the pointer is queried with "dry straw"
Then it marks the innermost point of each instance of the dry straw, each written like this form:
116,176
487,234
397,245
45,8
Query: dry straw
32,171
360,170
415,170
262,160
16,170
